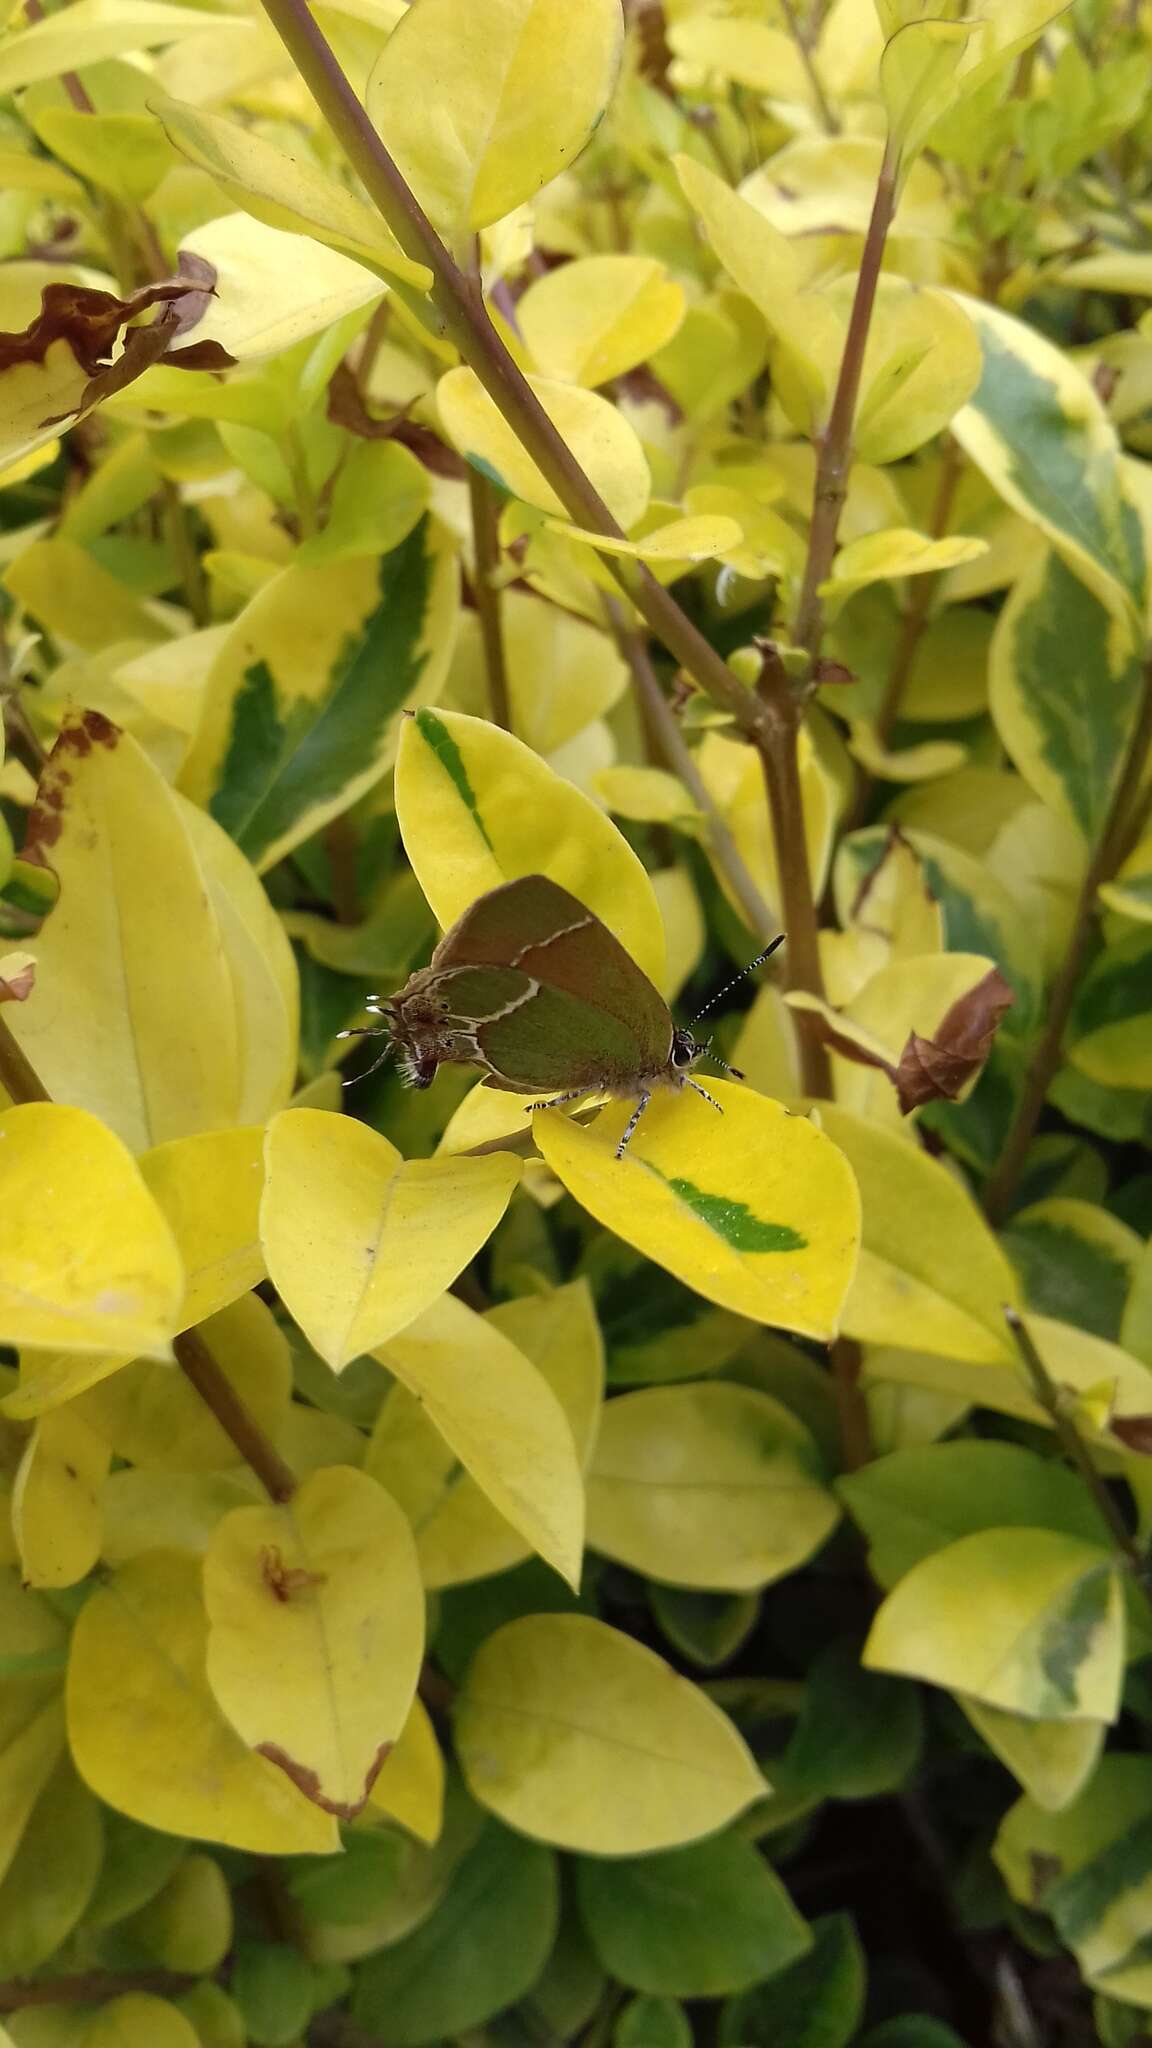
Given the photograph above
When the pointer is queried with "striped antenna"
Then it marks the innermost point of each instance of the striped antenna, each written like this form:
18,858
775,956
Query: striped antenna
750,969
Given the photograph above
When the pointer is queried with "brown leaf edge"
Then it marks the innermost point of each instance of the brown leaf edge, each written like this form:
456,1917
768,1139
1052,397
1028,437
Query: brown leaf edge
80,732
346,408
90,322
935,1069
17,982
306,1780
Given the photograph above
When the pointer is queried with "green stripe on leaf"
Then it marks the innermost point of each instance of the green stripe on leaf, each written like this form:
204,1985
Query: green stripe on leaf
434,731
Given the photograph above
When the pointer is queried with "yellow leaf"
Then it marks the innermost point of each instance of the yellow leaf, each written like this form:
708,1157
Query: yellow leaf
576,1734
133,948
359,1240
137,2020
101,29
261,963
316,1632
900,551
77,601
685,541
755,1209
598,435
651,795
56,1502
477,808
931,1273
735,781
208,1188
502,1421
1053,1760
153,1509
148,1736
272,289
562,671
1077,1361
410,1787
282,190
87,1261
153,1416
1027,1620
596,318
519,87
714,1486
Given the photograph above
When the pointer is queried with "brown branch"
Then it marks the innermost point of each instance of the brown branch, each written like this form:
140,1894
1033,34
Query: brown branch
76,91
92,1986
853,1420
1107,856
216,1391
23,1084
924,590
464,319
803,42
834,454
780,760
679,758
486,546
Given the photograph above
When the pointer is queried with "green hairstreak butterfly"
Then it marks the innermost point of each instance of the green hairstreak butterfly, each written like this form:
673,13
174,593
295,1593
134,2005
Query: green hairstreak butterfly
531,987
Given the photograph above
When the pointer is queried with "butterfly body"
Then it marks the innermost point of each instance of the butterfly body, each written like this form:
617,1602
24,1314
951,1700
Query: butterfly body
531,987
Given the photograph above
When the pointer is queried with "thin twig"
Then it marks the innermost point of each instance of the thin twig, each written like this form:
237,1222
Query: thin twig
834,458
77,93
464,319
803,44
486,548
23,1084
924,589
238,1423
18,1077
1106,858
91,1987
853,1421
1051,1400
678,756
780,760
185,552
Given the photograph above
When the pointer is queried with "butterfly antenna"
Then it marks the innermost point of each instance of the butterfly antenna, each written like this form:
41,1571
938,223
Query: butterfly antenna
737,1072
750,969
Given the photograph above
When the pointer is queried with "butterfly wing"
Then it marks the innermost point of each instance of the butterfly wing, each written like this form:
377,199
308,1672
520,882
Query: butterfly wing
534,925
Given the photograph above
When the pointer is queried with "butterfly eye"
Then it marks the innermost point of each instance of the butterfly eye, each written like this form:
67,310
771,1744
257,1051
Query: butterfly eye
683,1050
444,1008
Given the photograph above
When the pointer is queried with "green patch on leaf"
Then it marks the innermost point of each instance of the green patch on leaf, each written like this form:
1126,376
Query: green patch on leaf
434,731
1069,1641
734,1221
279,768
488,470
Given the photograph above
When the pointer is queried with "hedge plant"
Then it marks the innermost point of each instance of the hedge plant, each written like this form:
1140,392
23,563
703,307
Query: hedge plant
459,1585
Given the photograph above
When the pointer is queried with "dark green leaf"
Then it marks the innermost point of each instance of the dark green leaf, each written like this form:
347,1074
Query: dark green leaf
691,1923
859,1733
653,2023
273,1985
815,2004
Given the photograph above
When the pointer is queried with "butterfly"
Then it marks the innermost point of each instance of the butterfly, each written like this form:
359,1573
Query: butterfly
532,988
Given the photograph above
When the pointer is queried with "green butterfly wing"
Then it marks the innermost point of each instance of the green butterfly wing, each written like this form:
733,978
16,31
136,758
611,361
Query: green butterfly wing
537,927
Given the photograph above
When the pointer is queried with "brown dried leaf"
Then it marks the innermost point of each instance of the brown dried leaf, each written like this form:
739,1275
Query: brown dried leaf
17,977
1134,1432
938,1069
346,408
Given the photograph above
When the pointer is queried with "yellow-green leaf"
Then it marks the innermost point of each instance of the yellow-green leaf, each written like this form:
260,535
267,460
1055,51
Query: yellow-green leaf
97,29
931,1274
596,318
209,1188
1052,1760
87,1261
137,2020
562,671
284,191
754,1208
500,1418
152,1414
713,1486
576,1734
1041,435
358,1240
303,702
52,1875
271,288
603,442
477,808
519,87
1065,721
148,1736
1110,1029
316,1632
56,1501
133,947
410,1786
680,542
1027,1620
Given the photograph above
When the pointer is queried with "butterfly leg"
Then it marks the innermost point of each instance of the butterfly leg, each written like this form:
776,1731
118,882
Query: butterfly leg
631,1124
363,1031
555,1101
708,1098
